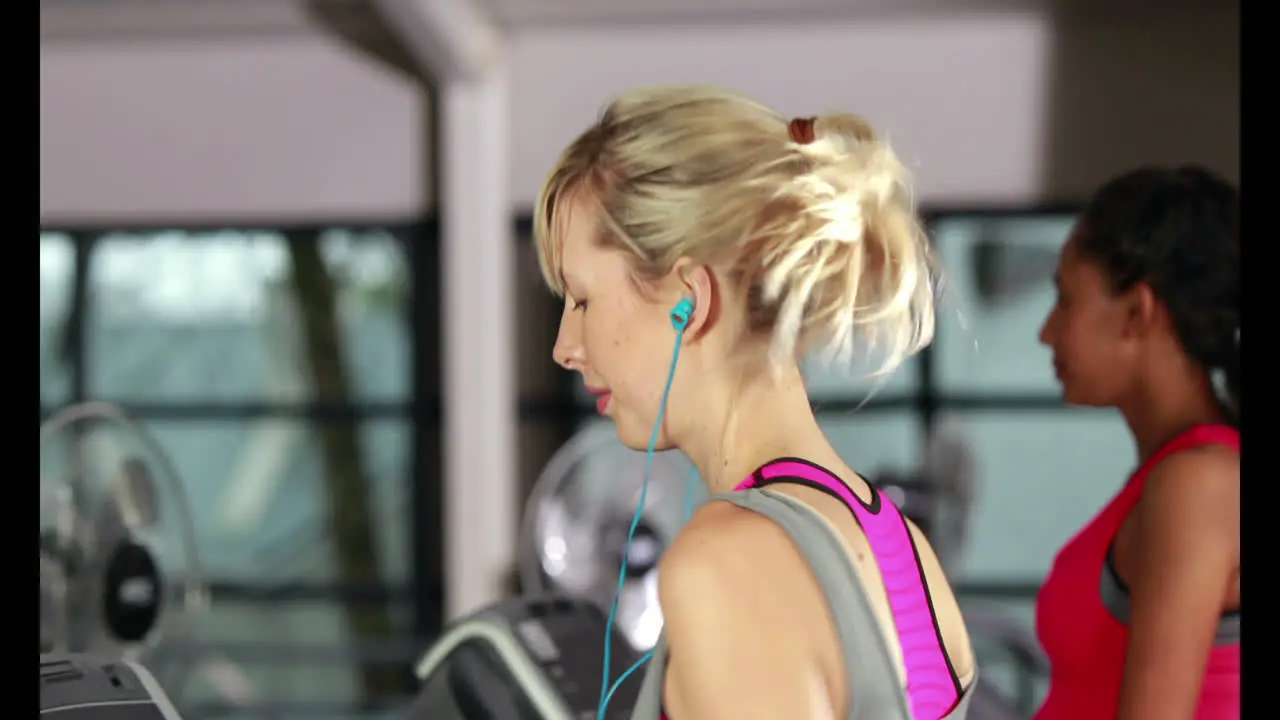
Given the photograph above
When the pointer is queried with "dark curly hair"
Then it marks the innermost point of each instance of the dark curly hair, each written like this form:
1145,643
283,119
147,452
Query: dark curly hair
1178,231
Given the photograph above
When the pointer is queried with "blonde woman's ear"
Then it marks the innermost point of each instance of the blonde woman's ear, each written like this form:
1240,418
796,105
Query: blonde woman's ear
698,283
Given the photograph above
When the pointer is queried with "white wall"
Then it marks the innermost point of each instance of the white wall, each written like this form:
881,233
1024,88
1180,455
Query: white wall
285,128
974,102
991,109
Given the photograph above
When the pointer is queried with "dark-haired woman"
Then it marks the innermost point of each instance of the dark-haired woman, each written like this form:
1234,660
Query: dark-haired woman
1140,613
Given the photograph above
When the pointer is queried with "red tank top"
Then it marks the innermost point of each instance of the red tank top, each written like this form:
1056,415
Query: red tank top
1085,643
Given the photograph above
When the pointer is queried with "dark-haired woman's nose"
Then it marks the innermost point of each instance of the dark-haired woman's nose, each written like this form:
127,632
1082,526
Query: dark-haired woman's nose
1046,336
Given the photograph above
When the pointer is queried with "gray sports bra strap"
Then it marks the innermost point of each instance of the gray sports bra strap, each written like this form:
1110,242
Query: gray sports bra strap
875,691
1115,598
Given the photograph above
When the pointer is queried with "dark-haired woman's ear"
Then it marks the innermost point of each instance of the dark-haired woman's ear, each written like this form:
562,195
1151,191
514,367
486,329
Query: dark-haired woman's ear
1142,311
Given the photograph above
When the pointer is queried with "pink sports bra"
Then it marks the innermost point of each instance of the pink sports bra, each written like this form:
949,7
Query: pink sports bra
933,690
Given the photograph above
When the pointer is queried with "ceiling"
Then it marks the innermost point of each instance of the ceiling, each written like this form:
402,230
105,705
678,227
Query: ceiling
542,12
73,19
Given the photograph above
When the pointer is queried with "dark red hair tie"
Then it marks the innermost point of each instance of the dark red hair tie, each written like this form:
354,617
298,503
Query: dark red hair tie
801,130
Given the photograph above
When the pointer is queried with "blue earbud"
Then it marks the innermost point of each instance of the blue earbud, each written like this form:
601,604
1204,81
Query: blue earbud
681,313
680,316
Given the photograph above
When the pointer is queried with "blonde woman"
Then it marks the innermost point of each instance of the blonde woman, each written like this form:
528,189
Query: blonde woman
798,591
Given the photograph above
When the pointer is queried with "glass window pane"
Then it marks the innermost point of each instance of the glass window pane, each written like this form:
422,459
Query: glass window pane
1040,476
57,274
302,653
259,493
999,288
214,317
875,442
835,381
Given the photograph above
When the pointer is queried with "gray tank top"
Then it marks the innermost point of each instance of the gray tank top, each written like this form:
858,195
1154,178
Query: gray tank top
875,691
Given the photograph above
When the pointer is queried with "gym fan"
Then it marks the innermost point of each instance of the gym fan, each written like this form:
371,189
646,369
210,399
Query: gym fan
119,571
576,521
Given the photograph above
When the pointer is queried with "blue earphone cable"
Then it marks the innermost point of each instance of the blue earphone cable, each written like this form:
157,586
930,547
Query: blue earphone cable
679,318
691,489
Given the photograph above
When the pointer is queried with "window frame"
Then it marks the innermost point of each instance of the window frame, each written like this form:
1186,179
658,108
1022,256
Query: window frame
421,240
423,593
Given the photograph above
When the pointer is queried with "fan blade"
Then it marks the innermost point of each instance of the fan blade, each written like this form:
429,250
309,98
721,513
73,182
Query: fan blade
639,614
136,493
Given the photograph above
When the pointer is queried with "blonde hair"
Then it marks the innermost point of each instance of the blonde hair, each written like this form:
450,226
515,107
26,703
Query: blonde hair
823,236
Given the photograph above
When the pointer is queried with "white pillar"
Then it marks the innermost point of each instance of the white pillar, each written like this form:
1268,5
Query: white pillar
457,45
480,403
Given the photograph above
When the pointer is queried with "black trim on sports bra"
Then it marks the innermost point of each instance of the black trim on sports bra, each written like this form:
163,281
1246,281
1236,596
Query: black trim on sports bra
873,507
933,611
